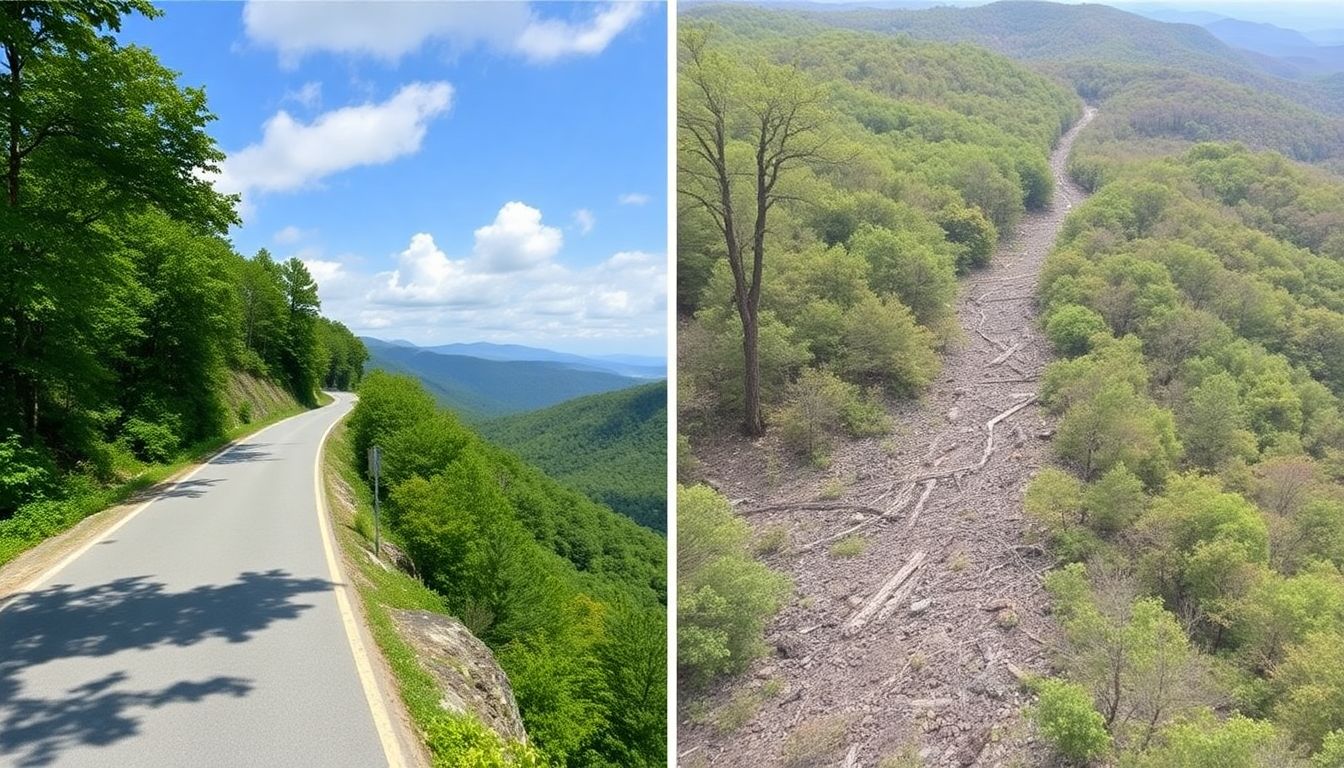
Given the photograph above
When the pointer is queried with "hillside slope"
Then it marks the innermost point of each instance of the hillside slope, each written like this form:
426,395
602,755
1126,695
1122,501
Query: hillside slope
480,389
1163,87
611,446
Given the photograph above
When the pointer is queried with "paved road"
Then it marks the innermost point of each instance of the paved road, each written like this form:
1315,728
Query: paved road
203,632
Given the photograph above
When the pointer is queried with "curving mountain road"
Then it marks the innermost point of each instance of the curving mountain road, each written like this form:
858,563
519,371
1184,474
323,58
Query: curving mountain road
206,629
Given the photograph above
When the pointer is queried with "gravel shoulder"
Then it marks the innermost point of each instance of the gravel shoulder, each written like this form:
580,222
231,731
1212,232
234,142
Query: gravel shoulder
926,666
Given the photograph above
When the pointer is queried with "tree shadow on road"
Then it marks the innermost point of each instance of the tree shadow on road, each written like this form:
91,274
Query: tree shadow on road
133,613
241,454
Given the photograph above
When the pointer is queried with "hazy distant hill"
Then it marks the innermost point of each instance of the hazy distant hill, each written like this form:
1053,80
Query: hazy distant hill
479,388
623,365
612,447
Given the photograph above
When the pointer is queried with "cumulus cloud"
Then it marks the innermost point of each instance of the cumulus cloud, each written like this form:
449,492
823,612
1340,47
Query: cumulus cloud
585,219
389,31
323,271
293,154
633,198
538,299
516,240
550,39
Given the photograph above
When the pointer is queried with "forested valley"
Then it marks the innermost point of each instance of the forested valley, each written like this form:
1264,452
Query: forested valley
1191,516
132,334
570,596
610,446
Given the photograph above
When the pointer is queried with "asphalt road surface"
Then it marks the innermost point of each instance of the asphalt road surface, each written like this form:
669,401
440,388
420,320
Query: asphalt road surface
205,631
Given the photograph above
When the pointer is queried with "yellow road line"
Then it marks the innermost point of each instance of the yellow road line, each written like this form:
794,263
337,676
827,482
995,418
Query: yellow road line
382,720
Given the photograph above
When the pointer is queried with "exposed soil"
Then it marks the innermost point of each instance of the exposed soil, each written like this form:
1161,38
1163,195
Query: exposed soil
927,665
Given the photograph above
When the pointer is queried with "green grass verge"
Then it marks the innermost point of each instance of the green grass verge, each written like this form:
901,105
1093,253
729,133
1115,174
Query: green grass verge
453,740
39,521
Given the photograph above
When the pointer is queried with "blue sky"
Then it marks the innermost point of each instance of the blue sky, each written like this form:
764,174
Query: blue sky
449,171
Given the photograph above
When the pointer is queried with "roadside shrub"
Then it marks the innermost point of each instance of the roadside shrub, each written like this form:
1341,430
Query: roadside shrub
1068,721
151,441
724,597
25,474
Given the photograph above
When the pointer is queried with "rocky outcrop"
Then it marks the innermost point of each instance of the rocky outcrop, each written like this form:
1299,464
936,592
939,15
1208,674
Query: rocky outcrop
470,682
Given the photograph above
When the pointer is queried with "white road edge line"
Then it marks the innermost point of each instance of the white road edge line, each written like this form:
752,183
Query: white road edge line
382,721
50,573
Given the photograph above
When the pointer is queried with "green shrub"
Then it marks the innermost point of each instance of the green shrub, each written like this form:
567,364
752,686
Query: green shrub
864,415
883,346
1331,754
151,441
1203,742
814,412
245,412
724,597
1068,721
26,474
1072,327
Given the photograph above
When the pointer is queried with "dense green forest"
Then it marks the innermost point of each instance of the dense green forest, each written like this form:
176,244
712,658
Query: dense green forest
920,156
613,447
1164,87
1199,303
570,595
129,326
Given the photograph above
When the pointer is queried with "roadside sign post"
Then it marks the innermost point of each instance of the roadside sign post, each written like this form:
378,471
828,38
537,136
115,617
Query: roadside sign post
376,469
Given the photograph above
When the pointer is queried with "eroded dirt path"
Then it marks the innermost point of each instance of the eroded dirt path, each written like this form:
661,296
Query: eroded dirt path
866,661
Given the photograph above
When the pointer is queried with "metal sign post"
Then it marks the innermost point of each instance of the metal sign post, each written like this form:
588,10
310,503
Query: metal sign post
376,469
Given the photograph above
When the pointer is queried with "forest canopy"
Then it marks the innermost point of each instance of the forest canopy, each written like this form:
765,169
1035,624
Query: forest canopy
925,154
571,596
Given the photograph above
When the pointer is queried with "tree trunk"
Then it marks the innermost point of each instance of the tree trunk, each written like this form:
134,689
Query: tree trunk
754,424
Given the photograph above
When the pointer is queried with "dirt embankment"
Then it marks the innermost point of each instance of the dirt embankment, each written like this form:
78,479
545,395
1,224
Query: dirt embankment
913,646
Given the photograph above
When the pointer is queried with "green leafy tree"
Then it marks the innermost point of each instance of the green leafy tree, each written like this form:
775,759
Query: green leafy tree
95,131
735,125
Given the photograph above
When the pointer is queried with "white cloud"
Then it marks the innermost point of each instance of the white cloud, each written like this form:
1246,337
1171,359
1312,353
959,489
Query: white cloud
633,198
389,31
288,235
323,271
309,95
539,300
550,39
585,219
293,155
517,240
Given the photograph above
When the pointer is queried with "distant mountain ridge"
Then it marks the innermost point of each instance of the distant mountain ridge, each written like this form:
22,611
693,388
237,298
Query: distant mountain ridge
624,365
480,388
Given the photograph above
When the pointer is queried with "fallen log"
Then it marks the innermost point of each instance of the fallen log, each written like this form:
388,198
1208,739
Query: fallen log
880,597
877,515
1007,353
919,505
